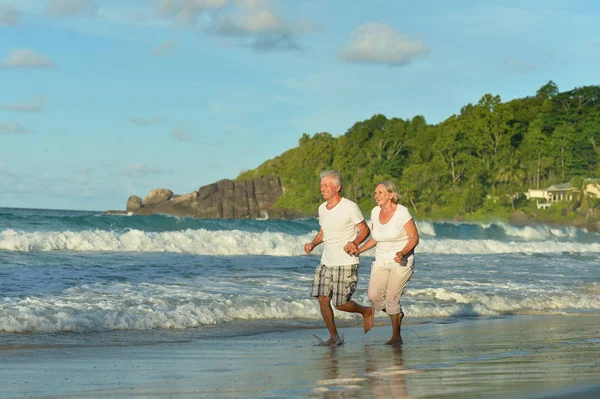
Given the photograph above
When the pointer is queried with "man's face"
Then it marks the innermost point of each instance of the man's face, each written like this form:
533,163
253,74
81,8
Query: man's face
328,188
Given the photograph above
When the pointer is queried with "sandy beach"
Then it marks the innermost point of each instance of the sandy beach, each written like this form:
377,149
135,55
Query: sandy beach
506,357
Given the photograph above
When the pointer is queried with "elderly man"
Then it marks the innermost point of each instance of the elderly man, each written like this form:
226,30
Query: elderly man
337,274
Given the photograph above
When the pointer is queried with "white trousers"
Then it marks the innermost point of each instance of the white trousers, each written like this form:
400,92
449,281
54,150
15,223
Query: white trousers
386,284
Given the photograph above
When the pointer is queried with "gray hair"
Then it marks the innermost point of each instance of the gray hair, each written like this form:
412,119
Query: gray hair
333,174
390,188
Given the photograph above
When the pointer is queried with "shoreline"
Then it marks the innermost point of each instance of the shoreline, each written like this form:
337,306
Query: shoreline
507,357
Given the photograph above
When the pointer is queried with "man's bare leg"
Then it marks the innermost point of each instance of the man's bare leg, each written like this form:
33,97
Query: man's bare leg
367,312
327,313
396,326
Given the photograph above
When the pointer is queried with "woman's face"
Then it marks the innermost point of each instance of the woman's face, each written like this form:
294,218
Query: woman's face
382,196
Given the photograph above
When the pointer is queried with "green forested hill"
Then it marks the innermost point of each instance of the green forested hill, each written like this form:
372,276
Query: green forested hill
472,165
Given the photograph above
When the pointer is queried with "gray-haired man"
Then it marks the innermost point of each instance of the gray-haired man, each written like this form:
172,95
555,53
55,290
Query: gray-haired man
336,276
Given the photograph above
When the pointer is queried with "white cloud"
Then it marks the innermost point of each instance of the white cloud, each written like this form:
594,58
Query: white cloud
185,12
260,27
379,43
254,17
252,23
141,170
155,120
181,135
26,58
164,48
36,105
66,8
13,128
8,16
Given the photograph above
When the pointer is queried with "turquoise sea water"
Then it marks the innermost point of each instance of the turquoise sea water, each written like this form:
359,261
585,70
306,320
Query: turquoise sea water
100,275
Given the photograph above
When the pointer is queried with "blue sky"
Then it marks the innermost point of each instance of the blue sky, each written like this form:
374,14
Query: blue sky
103,99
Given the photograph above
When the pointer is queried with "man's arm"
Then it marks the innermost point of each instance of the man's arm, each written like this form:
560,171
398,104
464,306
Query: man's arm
363,232
308,248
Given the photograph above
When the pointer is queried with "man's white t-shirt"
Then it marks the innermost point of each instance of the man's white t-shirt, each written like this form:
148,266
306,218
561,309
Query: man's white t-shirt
339,227
392,236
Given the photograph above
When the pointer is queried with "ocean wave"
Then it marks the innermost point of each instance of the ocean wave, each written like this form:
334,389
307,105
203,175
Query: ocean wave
483,247
503,232
426,228
538,232
145,306
487,304
33,221
201,242
50,220
235,242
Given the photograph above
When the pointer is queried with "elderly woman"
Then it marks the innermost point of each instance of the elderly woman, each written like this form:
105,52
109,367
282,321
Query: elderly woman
395,236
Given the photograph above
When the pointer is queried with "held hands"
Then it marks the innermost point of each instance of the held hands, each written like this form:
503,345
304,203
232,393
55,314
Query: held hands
351,249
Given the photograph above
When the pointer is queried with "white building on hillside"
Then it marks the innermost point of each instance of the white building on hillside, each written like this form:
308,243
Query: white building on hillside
561,192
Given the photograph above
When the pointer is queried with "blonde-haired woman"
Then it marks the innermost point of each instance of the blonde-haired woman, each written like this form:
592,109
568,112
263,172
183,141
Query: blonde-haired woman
395,236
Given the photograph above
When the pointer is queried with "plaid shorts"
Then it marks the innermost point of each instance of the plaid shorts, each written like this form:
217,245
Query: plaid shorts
336,282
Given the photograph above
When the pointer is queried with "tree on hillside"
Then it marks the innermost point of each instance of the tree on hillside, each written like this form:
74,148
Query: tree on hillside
563,139
472,163
453,148
549,90
535,153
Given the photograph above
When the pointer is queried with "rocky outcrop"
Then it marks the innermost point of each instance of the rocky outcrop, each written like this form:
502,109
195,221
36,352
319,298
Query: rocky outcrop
133,203
157,196
244,199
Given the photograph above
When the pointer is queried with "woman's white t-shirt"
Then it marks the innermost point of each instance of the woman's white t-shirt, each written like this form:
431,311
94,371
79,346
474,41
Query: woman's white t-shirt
339,227
392,236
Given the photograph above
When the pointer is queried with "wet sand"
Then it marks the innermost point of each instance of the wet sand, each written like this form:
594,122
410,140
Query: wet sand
507,357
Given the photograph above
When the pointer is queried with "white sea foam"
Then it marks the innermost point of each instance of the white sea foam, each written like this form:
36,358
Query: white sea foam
482,247
142,307
235,242
538,232
447,302
426,228
145,306
201,241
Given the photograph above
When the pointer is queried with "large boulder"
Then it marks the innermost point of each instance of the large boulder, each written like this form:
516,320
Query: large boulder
134,203
157,196
242,199
518,218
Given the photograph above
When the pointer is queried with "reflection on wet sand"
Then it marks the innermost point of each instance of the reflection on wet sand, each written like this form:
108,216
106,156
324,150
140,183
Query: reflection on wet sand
380,373
336,381
390,381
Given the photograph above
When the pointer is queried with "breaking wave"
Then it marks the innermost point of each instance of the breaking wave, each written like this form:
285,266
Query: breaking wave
235,242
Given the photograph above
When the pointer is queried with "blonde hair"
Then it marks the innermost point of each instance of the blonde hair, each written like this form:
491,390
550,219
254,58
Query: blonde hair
390,188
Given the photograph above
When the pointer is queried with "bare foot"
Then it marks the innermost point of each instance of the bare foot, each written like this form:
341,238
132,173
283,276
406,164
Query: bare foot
369,319
394,341
333,341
